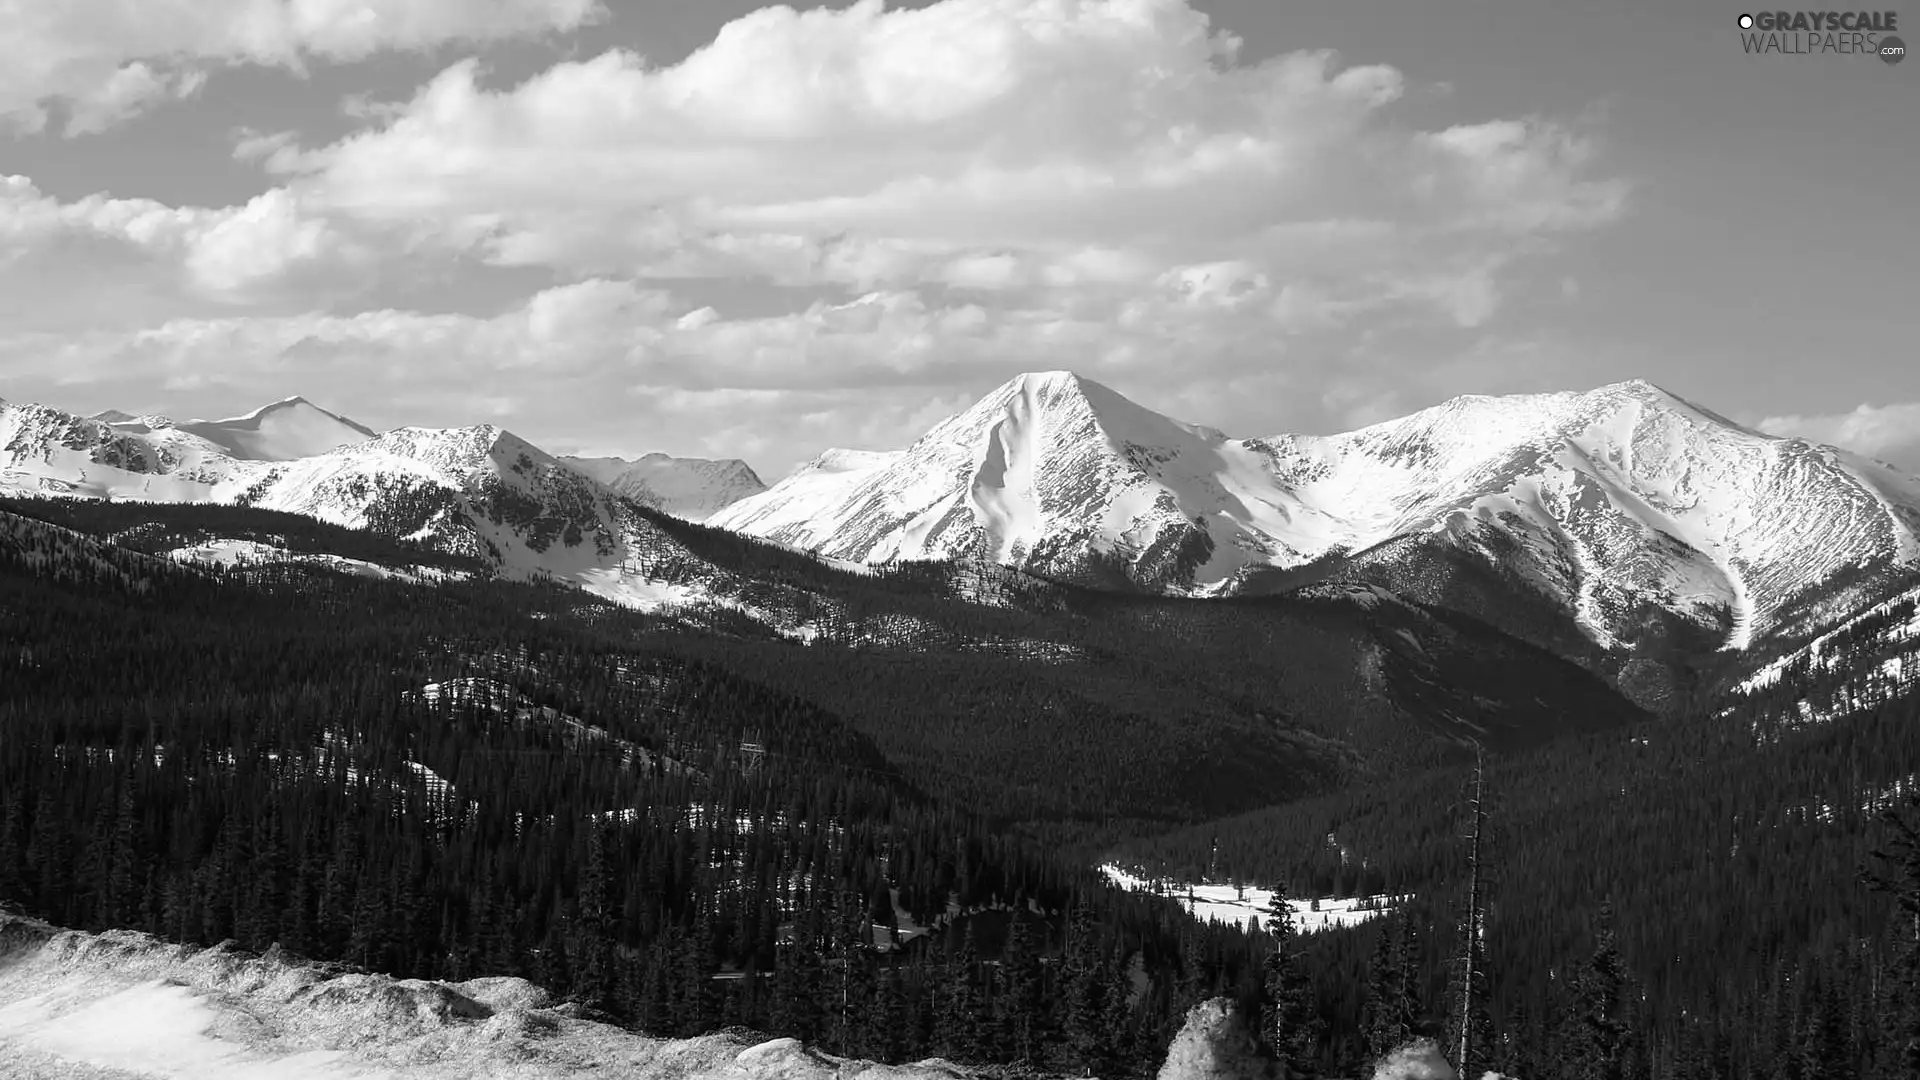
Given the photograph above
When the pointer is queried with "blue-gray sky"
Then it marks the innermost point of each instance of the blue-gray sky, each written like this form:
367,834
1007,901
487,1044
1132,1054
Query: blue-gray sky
717,230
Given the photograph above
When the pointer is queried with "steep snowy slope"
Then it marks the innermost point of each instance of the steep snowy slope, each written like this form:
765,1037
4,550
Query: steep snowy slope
690,488
1624,506
282,431
1047,465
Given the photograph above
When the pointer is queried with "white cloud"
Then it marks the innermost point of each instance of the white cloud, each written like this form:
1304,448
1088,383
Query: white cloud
976,186
229,254
129,90
1889,433
986,144
105,60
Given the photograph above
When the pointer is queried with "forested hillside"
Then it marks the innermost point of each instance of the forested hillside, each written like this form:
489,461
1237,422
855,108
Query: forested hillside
966,676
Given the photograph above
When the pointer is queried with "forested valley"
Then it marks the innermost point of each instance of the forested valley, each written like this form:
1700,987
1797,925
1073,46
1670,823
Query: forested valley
686,828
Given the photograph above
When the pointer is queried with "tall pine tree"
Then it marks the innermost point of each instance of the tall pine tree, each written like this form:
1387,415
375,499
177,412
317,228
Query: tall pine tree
1290,1021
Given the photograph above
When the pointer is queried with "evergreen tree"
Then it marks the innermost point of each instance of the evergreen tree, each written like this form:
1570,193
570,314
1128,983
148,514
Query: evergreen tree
1290,1021
1392,1013
1082,988
853,982
1603,1030
595,922
1018,999
960,1021
886,1019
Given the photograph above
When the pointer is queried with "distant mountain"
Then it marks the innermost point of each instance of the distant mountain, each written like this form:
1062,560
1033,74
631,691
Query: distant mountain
1630,521
283,431
690,488
478,491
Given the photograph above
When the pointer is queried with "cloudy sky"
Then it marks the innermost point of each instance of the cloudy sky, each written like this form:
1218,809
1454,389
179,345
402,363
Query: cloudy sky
715,229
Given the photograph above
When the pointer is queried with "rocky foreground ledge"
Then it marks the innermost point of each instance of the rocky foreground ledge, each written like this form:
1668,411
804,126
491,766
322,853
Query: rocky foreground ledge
123,1005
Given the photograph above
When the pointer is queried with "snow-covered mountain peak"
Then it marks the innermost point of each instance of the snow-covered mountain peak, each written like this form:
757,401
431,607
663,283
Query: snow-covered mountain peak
1044,455
1065,402
285,430
284,403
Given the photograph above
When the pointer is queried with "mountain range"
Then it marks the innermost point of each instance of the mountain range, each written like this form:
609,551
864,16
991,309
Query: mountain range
1637,534
1624,527
477,490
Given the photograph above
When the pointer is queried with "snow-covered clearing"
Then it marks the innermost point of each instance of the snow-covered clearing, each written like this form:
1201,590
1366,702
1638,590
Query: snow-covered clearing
1236,904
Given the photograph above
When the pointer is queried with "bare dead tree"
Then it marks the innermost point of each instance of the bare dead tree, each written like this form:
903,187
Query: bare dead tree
1472,1022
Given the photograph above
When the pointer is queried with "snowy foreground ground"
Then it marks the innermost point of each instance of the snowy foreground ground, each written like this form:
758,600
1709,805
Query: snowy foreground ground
1234,904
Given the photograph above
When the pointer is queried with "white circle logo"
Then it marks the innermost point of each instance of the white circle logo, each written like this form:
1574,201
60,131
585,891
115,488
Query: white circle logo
1746,22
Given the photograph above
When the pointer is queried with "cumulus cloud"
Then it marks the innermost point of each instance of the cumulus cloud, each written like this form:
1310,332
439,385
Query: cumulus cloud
980,144
106,60
229,253
1889,433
